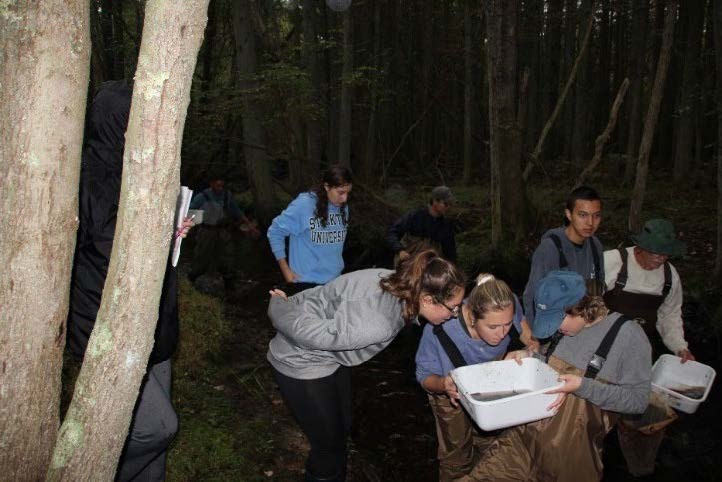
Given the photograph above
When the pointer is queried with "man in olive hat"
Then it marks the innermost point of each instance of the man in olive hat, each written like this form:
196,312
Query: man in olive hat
642,283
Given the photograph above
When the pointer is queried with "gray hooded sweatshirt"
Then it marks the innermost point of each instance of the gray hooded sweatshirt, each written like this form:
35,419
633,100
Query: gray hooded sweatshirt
344,322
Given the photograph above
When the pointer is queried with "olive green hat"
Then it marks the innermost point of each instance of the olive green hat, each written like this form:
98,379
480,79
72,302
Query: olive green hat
658,236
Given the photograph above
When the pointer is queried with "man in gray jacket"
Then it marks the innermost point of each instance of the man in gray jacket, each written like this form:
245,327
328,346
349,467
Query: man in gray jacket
571,247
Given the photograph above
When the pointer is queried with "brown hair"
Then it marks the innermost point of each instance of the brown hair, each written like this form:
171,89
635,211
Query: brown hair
591,307
489,294
334,176
423,273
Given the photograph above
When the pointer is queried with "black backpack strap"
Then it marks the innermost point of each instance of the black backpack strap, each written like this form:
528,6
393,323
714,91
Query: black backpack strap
623,273
457,359
667,279
600,356
563,263
595,257
205,195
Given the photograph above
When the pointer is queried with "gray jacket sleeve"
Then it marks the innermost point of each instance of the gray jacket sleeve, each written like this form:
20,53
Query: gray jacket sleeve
349,328
629,393
545,259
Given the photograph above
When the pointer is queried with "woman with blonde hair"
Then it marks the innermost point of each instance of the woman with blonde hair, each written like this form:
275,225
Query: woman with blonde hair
323,331
478,333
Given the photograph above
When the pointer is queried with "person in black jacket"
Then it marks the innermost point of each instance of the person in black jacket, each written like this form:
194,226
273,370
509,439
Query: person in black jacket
154,421
424,228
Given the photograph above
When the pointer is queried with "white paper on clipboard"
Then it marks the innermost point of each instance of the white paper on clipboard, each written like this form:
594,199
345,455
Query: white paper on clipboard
181,211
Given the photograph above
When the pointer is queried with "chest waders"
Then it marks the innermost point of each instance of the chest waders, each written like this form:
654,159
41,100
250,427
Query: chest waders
564,448
642,306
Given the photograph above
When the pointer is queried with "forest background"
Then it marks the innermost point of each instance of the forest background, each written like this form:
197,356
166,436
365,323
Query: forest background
512,103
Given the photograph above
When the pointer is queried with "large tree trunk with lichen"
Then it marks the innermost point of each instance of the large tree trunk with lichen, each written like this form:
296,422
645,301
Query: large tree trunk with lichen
44,76
96,424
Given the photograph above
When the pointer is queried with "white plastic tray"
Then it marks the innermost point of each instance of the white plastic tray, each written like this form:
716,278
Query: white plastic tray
668,374
531,380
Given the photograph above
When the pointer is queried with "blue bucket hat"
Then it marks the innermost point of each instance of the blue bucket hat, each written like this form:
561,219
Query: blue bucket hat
556,292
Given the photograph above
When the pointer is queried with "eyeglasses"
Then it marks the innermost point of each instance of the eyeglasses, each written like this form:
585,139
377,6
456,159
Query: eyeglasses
454,311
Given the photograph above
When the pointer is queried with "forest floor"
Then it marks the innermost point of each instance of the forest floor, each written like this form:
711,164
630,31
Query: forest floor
234,425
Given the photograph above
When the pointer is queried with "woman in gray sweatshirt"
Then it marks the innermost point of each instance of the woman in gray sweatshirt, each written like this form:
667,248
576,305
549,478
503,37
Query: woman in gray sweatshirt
324,331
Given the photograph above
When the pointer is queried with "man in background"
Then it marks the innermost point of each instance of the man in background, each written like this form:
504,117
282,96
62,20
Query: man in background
426,227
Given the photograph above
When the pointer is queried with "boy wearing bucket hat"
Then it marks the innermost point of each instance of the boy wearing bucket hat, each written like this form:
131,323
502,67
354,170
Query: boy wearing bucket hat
604,360
643,284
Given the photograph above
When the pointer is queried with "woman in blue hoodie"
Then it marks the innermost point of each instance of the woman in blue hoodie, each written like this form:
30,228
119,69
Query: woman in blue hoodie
315,223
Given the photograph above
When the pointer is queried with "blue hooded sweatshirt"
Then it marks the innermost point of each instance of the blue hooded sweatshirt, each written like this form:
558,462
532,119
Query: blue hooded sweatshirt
315,251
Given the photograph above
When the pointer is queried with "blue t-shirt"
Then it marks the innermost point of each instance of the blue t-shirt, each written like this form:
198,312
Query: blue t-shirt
431,359
315,252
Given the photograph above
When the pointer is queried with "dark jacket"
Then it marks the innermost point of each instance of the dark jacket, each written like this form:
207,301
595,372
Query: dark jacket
100,178
420,224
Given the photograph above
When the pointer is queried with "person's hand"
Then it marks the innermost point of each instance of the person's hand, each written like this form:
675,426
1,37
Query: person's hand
185,226
571,384
533,345
557,402
250,228
451,391
517,355
685,355
278,294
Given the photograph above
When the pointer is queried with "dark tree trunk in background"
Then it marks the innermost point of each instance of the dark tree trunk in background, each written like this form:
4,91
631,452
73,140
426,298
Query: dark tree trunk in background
570,36
344,121
468,93
505,137
640,184
638,44
552,81
582,98
254,141
45,55
717,8
371,159
315,126
687,105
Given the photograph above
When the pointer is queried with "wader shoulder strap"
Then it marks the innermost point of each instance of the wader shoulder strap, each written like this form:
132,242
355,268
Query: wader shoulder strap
595,257
667,279
600,356
623,274
563,263
457,359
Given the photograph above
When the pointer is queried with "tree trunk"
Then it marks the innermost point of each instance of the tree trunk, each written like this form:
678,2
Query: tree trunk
371,160
640,12
551,65
315,126
650,122
96,424
254,142
583,100
344,121
686,107
44,76
570,35
505,137
468,94
717,30
603,138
